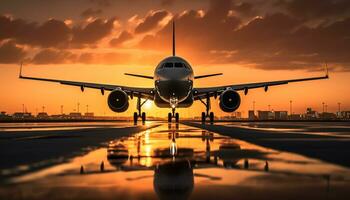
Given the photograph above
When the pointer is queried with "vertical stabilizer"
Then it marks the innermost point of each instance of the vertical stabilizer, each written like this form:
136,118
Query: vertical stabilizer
173,37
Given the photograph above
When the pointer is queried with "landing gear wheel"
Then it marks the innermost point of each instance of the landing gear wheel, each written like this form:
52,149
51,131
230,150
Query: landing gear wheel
169,117
135,118
143,117
177,117
211,117
203,117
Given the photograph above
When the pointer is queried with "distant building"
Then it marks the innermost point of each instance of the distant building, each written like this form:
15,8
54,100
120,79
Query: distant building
251,115
344,114
233,116
42,115
75,115
295,117
311,114
328,116
21,115
266,115
3,115
89,114
62,116
281,115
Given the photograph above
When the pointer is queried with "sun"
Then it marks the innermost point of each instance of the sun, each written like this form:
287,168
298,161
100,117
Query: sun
148,104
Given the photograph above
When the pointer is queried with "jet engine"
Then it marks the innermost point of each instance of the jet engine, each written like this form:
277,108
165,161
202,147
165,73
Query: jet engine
118,101
229,100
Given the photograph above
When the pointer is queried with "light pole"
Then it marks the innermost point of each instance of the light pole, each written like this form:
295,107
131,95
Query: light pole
322,107
254,106
290,102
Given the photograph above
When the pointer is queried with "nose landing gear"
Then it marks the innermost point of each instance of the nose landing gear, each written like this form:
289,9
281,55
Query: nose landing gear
140,114
207,114
173,115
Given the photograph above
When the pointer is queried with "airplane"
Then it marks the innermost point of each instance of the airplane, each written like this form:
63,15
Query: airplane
173,88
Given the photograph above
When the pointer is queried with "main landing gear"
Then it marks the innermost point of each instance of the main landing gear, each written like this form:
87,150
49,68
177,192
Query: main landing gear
140,114
173,115
206,114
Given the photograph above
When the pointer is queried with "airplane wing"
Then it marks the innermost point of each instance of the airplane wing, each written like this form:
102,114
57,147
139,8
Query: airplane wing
200,93
146,93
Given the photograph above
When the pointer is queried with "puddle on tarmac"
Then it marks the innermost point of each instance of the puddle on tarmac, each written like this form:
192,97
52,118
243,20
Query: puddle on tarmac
179,162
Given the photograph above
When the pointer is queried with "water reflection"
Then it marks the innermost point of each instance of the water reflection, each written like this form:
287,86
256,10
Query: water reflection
174,155
180,162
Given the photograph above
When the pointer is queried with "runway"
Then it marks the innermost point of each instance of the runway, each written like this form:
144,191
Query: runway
175,161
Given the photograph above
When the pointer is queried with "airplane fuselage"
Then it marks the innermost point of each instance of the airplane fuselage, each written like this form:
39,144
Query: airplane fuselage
173,80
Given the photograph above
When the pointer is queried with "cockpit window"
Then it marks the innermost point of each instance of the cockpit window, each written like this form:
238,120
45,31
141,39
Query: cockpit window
168,65
179,65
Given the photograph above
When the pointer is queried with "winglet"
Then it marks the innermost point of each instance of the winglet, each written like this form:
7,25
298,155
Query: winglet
20,70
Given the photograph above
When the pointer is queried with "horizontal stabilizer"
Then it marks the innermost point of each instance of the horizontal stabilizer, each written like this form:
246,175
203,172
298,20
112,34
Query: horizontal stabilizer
140,76
208,75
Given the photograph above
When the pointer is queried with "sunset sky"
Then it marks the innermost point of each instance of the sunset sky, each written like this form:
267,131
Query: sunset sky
247,40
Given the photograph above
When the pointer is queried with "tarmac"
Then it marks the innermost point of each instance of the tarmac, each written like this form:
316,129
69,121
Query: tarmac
158,160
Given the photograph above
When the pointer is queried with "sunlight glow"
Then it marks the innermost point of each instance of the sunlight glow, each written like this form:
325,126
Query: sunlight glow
148,105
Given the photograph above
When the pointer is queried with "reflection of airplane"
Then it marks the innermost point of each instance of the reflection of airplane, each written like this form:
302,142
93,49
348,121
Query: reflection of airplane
174,168
173,88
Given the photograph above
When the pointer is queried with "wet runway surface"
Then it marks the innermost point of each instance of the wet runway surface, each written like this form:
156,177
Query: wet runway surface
13,127
327,141
176,161
339,129
30,147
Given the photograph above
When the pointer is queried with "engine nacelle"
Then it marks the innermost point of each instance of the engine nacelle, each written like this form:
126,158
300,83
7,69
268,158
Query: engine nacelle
118,101
229,100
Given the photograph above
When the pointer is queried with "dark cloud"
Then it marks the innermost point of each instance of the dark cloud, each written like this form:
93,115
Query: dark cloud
273,41
289,34
93,32
151,21
54,33
315,9
90,12
123,37
50,33
53,56
10,53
